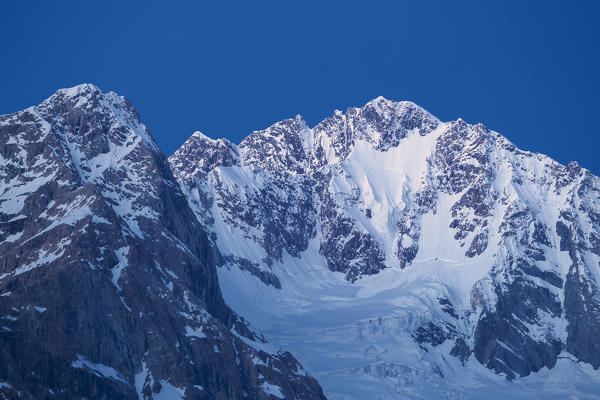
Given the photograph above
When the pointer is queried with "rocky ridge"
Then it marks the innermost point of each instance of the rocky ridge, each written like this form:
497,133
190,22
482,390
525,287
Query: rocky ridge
108,284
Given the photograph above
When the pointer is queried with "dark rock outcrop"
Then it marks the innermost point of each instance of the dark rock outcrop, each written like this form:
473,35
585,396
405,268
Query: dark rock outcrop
108,285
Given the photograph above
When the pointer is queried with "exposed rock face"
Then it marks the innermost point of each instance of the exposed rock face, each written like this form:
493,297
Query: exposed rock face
388,187
108,285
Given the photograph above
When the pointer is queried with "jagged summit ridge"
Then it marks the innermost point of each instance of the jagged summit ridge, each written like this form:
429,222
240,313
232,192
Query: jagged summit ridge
380,122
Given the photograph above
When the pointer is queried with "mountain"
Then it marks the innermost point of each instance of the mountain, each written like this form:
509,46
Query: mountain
108,283
398,256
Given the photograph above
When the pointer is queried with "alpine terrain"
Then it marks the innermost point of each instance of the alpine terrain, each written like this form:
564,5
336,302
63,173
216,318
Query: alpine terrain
395,255
108,283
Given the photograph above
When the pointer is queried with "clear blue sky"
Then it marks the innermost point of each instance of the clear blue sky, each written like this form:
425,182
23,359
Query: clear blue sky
530,70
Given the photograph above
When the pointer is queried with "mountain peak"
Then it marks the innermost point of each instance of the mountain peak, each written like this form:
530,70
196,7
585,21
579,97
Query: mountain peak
87,95
94,115
202,136
300,119
200,154
384,105
81,89
78,96
381,122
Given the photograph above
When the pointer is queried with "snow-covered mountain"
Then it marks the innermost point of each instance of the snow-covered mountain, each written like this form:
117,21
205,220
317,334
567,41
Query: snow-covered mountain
108,284
398,256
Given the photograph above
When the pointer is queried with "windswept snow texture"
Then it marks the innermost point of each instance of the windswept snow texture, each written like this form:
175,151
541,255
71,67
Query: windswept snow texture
398,256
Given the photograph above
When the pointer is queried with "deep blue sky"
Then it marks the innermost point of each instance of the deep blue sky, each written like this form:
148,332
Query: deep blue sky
529,70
